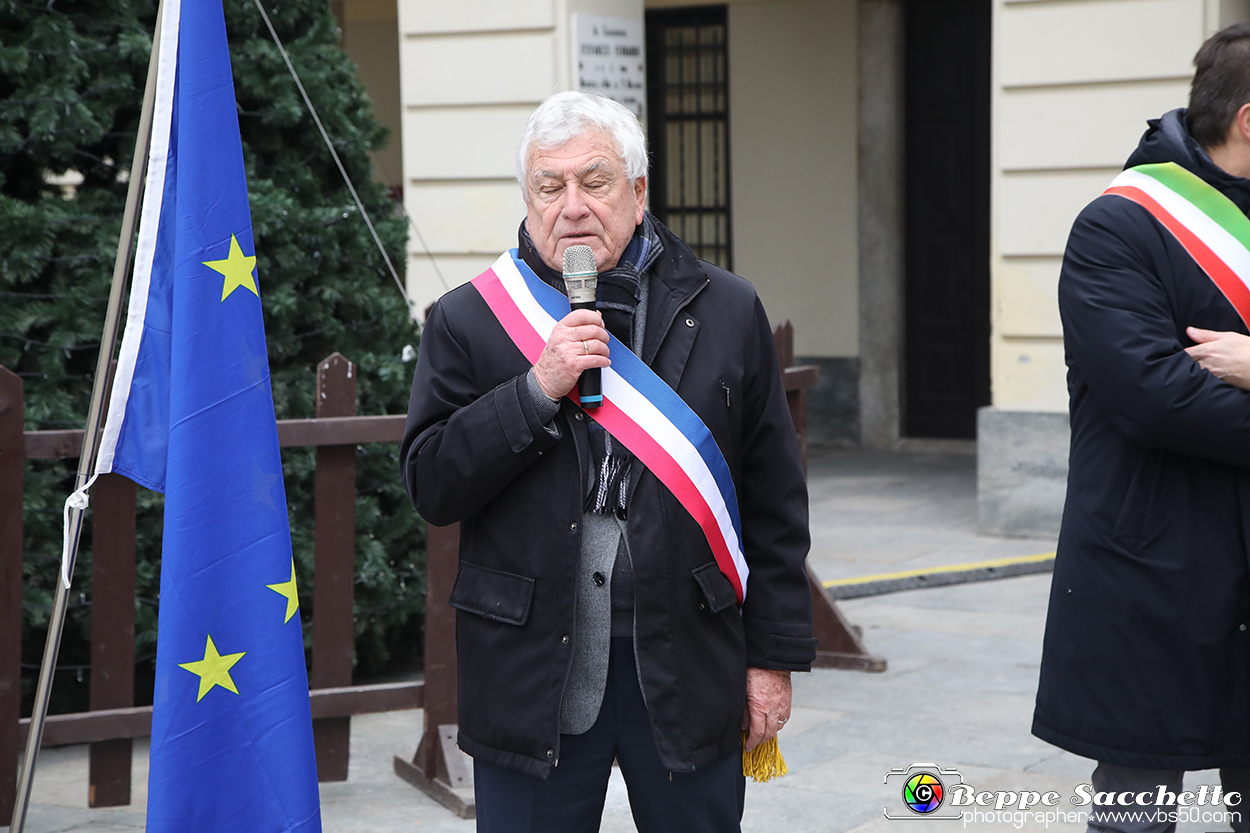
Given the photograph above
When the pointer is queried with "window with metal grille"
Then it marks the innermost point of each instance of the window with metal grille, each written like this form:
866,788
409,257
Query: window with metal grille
688,123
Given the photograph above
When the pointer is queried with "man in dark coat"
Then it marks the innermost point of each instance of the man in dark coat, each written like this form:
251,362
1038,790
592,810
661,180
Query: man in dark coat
1146,660
593,622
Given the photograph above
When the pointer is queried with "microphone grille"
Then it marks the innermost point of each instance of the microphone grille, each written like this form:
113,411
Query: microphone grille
579,260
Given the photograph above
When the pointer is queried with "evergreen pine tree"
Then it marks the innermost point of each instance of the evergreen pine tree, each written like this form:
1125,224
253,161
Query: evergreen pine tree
72,74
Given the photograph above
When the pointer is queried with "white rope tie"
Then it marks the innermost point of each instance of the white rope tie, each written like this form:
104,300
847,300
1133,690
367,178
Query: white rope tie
78,500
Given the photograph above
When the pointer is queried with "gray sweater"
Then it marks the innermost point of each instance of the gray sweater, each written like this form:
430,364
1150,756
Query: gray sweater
605,581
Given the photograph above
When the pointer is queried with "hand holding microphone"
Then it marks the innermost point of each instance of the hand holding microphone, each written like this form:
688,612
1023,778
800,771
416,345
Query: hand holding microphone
578,346
581,280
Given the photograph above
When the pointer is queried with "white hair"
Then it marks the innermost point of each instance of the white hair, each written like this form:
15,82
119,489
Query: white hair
565,116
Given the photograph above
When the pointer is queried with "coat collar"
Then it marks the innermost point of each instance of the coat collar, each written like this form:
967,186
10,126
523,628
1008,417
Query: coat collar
1167,139
676,278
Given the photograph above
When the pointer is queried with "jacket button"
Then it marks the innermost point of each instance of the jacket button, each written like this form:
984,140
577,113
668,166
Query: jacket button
1242,628
578,416
689,322
550,752
702,606
565,639
598,579
573,527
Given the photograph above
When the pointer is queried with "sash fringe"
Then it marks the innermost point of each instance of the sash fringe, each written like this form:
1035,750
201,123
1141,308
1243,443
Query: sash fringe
764,762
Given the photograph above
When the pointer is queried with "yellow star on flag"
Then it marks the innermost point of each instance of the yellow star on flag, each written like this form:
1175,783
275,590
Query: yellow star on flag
287,588
237,268
213,670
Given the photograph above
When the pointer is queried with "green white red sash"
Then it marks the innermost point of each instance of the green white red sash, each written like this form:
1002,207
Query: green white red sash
639,409
1208,224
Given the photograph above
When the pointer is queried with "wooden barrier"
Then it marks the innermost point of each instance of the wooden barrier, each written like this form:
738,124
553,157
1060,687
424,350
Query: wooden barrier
840,645
113,720
439,768
12,488
335,566
112,633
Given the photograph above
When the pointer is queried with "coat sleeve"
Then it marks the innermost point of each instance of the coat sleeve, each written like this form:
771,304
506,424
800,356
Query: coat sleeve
777,613
462,445
1123,339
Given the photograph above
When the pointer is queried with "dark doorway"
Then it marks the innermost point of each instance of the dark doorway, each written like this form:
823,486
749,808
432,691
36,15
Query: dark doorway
688,127
947,185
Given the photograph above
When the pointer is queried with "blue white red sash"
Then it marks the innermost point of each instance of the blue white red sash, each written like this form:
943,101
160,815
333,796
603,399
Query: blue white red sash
639,409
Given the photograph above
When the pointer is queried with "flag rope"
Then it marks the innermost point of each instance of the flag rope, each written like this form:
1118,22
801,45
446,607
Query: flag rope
79,500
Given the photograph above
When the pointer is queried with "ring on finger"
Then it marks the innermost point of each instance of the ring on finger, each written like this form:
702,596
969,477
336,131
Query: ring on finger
585,349
781,721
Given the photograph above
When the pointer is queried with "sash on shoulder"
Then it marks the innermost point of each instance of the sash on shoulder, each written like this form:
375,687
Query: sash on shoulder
639,410
1208,224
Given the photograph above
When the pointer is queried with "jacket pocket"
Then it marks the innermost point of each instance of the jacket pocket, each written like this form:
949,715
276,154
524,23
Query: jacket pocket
1136,505
717,590
492,594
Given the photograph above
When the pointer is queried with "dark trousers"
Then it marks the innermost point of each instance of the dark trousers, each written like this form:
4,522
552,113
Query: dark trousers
571,799
1135,819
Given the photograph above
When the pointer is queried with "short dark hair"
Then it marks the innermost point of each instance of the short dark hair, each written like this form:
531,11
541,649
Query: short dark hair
1221,84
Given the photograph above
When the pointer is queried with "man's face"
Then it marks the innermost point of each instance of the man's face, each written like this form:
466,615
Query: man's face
579,194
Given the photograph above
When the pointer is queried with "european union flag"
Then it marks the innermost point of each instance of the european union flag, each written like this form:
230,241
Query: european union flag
192,415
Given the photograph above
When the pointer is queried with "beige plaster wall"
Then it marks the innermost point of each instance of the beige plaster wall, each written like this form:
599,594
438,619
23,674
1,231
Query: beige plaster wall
370,40
470,75
793,151
1074,83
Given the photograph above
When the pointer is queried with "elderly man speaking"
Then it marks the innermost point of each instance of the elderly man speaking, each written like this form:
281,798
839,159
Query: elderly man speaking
631,583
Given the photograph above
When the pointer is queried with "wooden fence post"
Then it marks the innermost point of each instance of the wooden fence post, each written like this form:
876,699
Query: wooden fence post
439,768
783,339
840,645
335,565
12,455
112,632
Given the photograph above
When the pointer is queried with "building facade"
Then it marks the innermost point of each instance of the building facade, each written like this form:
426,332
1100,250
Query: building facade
896,177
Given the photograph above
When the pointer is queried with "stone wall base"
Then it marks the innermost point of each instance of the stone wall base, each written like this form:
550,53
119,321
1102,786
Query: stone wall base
1022,472
833,404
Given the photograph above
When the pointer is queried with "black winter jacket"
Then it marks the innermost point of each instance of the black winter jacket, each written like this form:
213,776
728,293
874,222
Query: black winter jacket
475,452
1146,660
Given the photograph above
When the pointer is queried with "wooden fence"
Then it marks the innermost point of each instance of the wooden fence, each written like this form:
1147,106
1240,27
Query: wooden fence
113,720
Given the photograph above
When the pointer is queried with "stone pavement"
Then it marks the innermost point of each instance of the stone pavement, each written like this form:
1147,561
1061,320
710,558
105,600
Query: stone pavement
958,693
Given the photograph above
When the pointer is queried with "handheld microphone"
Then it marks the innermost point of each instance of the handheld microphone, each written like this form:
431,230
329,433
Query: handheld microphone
581,278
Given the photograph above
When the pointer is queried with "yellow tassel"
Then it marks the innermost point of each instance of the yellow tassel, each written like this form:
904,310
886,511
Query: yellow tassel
764,762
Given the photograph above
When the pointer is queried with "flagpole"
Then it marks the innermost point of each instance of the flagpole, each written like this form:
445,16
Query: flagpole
91,436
